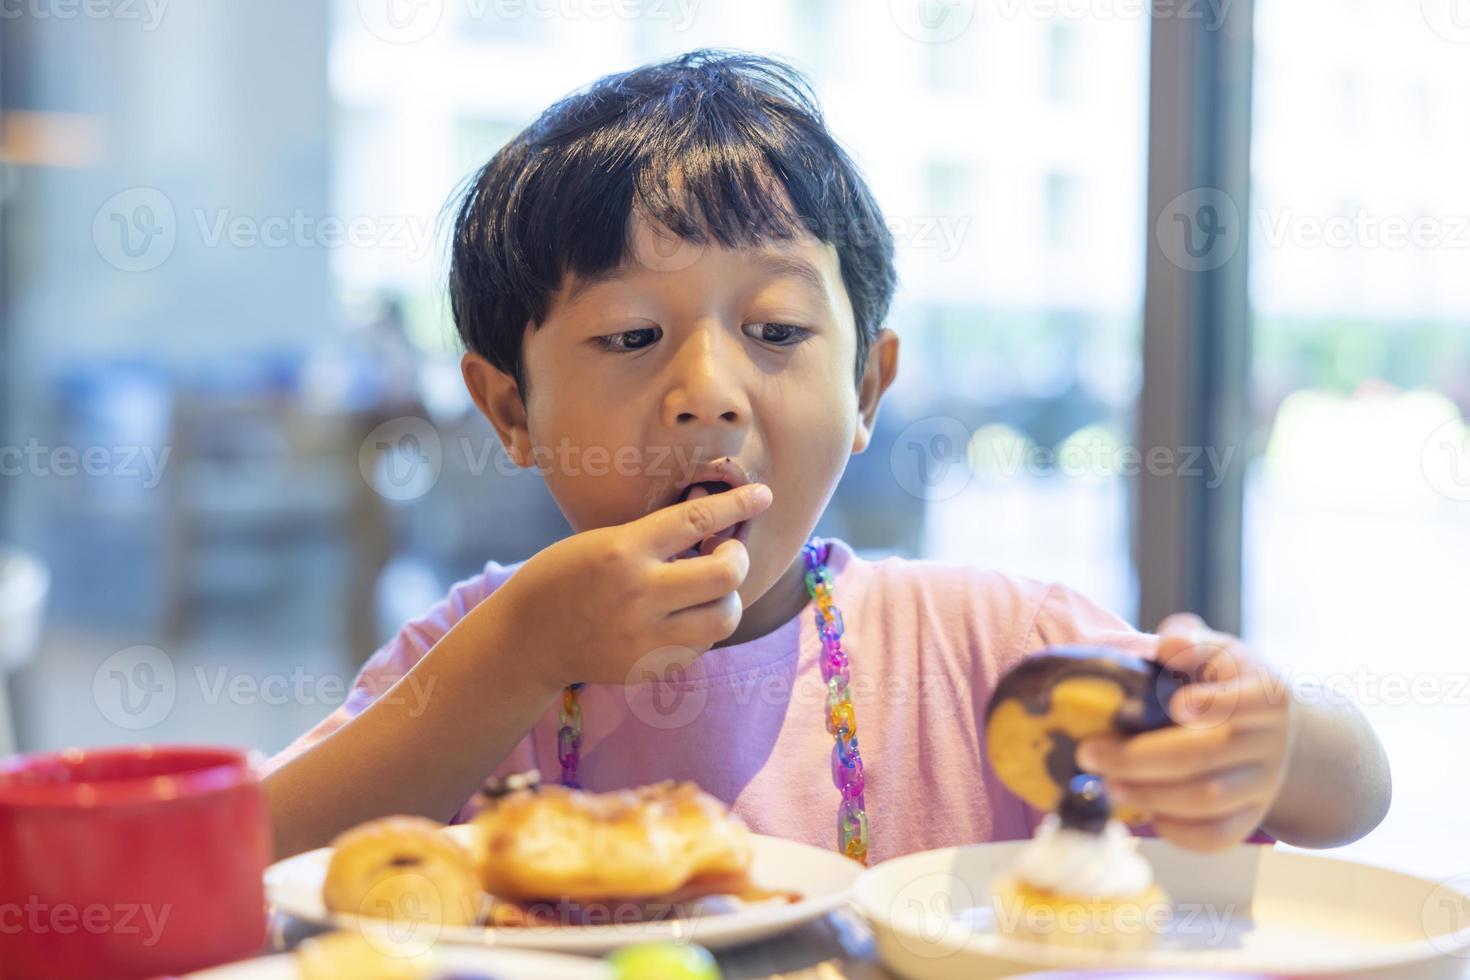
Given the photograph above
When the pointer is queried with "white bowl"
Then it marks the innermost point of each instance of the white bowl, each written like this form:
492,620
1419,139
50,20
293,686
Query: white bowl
1251,909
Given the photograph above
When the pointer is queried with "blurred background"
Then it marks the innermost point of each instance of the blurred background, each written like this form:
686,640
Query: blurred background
235,453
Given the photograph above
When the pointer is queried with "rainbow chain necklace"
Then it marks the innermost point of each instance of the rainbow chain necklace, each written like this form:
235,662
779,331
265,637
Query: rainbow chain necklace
847,763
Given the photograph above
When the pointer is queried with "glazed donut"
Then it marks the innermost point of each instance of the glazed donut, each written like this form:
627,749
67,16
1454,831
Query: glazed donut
1049,702
403,867
559,844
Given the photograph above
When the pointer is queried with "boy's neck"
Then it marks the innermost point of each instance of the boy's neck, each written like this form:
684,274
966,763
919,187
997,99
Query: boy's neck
782,601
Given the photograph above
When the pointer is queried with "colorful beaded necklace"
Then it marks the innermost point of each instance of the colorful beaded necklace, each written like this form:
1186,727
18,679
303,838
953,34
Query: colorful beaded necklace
847,764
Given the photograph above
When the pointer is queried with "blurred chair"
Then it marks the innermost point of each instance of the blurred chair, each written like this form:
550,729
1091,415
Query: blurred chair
483,508
256,480
24,584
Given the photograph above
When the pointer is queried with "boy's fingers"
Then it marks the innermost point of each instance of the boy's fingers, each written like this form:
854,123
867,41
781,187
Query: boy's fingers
1189,647
701,626
1099,753
1210,797
1172,754
1241,701
693,581
1181,622
1188,653
678,527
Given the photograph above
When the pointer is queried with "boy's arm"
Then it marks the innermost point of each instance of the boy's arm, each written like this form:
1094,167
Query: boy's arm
424,746
588,608
1337,785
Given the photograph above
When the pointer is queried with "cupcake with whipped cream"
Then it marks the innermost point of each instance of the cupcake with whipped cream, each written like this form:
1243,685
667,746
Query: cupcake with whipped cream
1080,882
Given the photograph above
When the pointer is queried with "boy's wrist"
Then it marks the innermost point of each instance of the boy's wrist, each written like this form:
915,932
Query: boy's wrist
531,673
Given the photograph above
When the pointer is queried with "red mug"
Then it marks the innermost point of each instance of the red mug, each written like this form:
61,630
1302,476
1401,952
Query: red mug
130,862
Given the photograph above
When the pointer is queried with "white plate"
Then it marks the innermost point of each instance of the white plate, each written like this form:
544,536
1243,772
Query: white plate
823,878
1251,909
521,964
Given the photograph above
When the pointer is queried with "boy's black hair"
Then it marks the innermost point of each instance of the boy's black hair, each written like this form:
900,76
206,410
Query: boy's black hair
693,142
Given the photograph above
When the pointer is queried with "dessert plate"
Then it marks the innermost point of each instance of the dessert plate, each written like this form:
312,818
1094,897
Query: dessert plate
1251,909
822,878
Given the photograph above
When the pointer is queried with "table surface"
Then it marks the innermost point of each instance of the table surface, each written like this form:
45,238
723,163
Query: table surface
838,946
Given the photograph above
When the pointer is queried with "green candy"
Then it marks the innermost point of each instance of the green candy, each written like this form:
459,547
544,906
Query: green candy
664,961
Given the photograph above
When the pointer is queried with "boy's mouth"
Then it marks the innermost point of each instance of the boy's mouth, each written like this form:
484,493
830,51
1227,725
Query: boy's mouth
718,476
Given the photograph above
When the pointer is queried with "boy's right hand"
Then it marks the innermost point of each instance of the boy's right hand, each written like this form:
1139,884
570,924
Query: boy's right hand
592,606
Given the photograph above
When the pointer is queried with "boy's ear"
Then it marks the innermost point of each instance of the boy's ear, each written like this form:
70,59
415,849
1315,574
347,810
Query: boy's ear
498,399
878,374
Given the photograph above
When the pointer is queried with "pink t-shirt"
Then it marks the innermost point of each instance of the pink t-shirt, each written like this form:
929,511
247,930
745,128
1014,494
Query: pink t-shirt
926,641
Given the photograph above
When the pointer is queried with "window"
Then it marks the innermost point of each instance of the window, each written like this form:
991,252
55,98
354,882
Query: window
1066,77
1356,502
1064,215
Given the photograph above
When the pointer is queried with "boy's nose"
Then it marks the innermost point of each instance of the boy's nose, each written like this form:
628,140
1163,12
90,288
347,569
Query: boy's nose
704,386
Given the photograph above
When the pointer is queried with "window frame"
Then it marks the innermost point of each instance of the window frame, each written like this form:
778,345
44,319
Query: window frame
1187,536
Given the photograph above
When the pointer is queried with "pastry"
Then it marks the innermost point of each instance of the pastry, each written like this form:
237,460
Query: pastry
403,868
1080,882
1045,705
552,856
559,844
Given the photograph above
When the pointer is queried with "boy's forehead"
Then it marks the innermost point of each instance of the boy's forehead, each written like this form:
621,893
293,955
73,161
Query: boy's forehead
655,253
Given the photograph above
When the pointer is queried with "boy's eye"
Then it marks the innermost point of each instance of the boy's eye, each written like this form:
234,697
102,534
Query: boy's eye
780,334
629,340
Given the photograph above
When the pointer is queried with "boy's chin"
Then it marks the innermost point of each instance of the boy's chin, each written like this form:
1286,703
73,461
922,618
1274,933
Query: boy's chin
770,570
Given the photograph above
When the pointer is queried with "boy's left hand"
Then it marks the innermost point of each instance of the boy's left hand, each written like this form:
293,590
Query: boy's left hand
1208,783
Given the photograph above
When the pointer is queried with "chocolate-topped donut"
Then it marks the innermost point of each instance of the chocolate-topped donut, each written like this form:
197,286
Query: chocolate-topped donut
1049,702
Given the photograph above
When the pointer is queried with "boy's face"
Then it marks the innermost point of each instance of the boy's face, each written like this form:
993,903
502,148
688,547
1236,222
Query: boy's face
687,354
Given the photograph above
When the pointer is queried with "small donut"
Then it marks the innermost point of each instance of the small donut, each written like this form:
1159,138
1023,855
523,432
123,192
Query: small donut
403,868
1049,702
569,845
